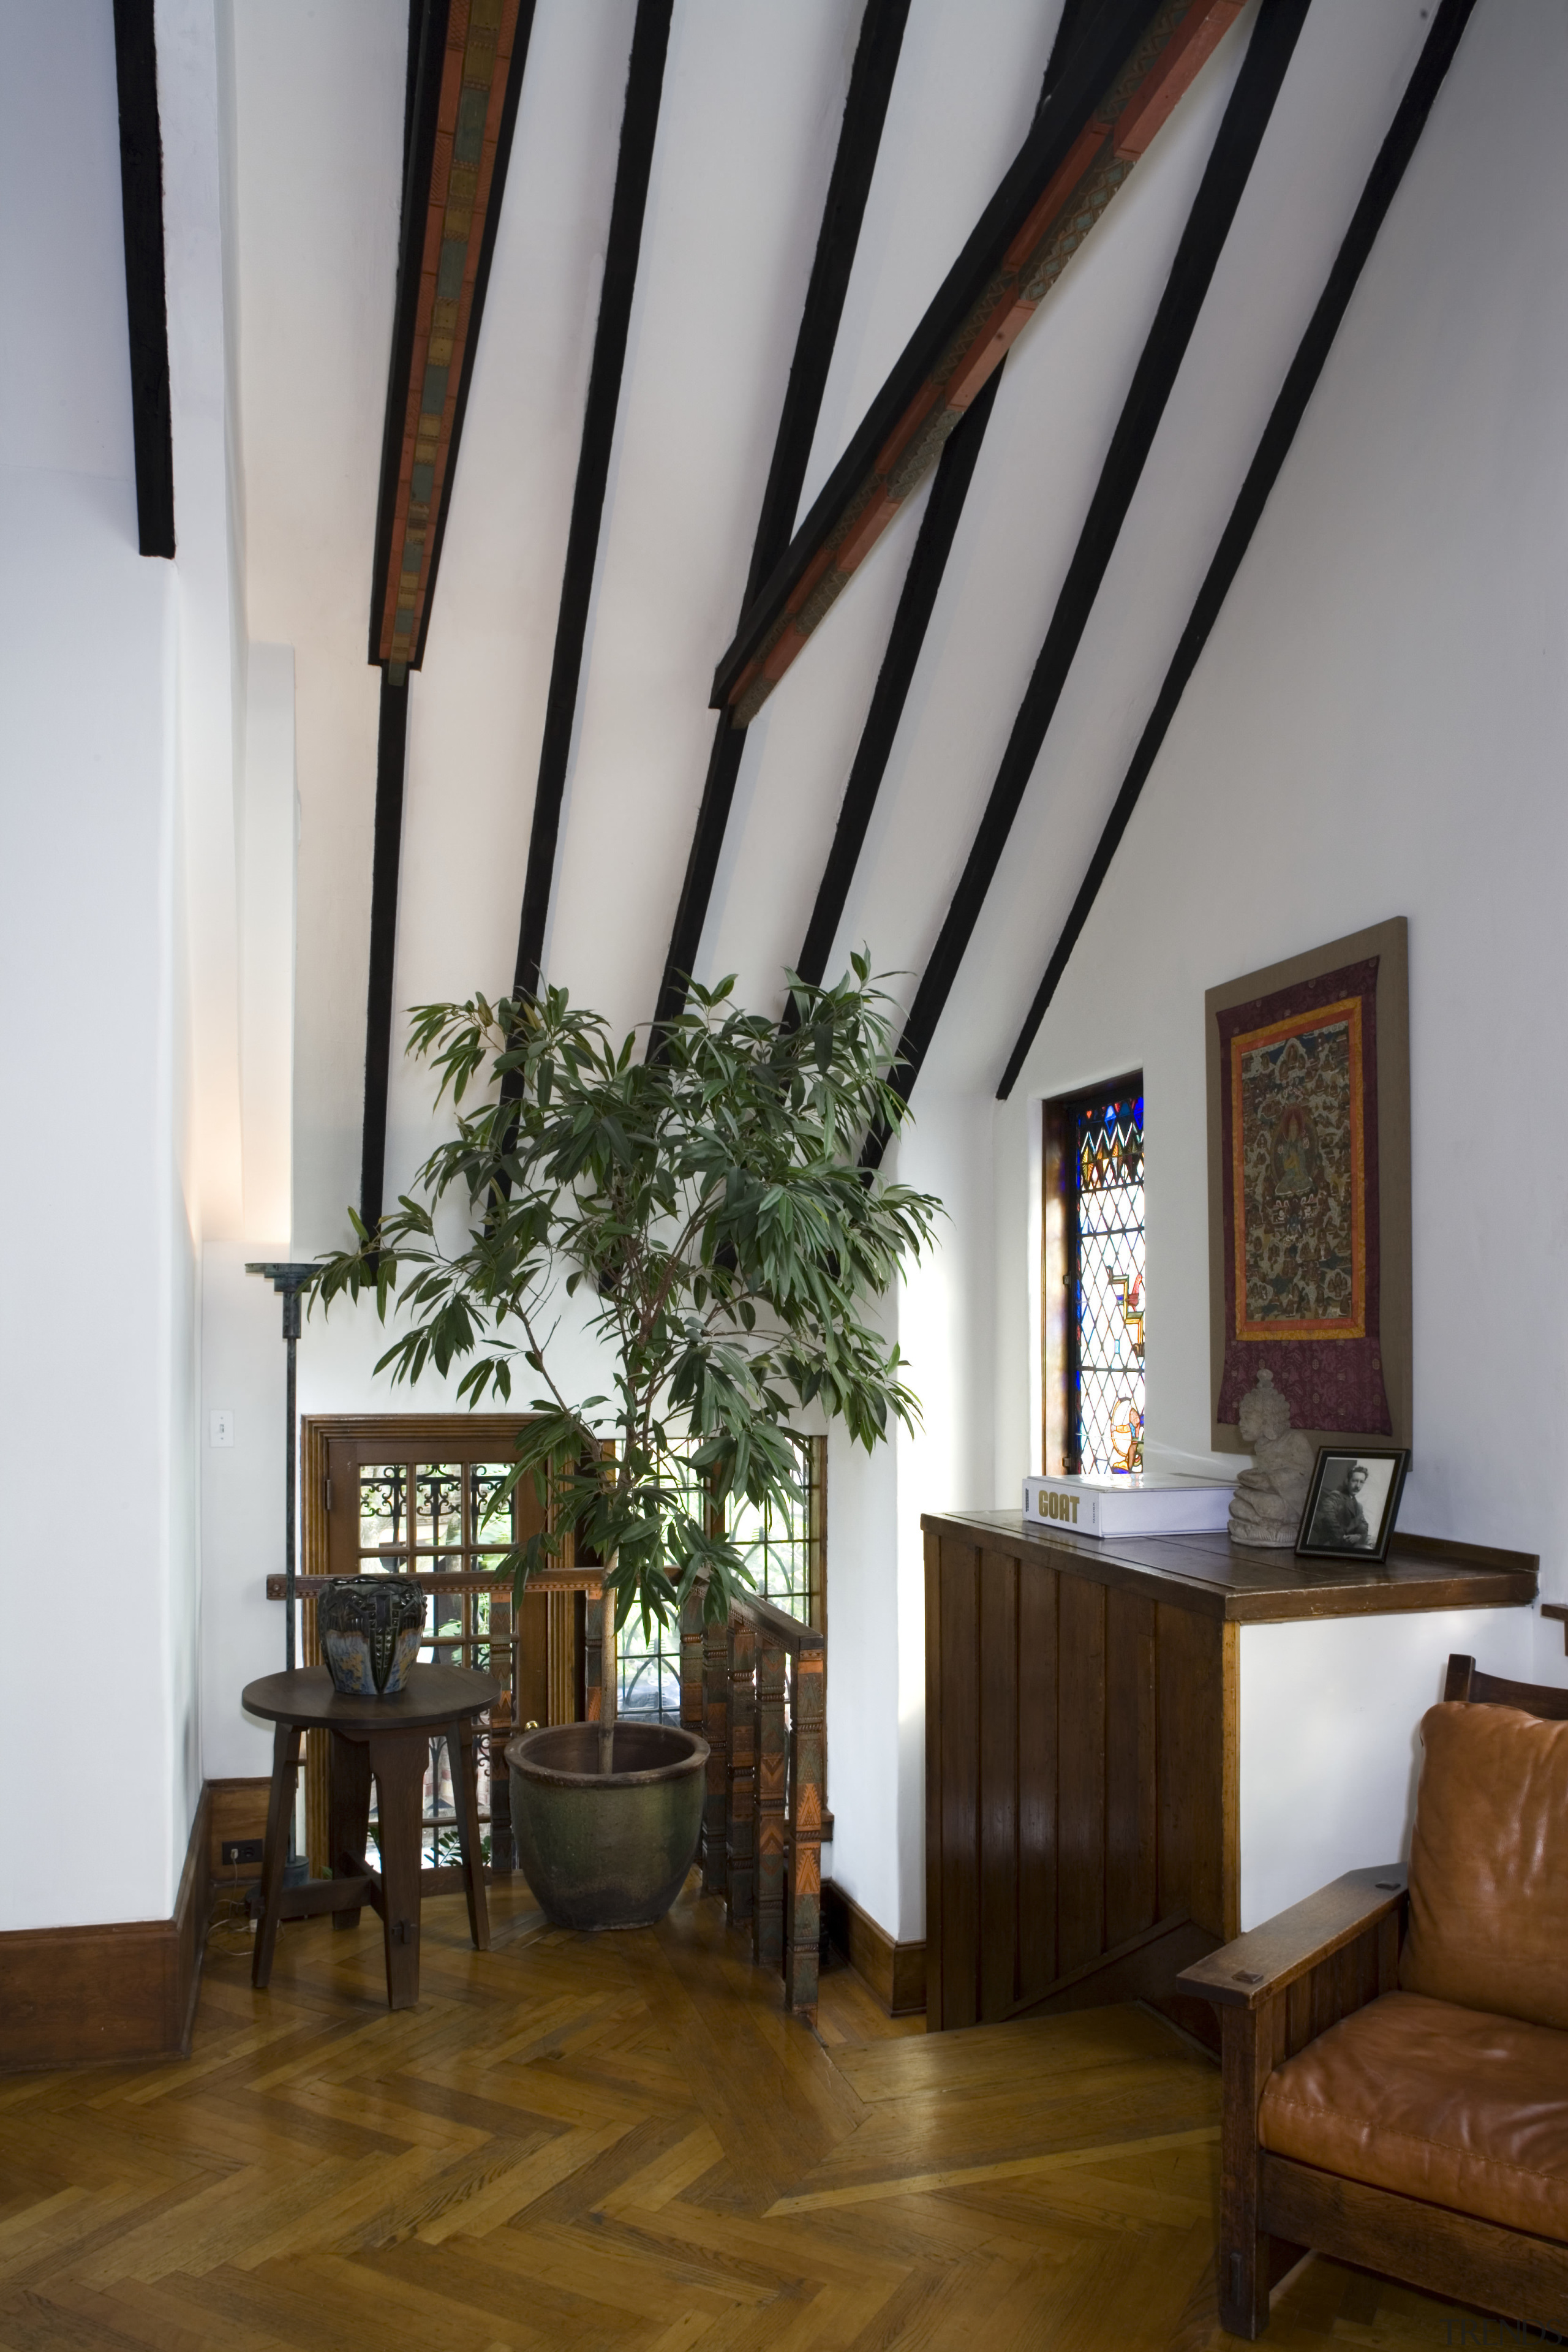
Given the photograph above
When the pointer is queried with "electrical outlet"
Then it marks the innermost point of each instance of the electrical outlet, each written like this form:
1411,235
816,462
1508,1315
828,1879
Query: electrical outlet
241,1850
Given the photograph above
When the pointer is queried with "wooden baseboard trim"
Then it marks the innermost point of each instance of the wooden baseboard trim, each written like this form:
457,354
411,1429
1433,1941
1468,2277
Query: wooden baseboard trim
125,1991
895,1972
238,1810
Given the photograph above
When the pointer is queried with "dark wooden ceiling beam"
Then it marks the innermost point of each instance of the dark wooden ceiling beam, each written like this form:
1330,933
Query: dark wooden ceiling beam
391,761
1130,64
1226,176
465,82
1279,435
917,600
639,128
854,163
146,306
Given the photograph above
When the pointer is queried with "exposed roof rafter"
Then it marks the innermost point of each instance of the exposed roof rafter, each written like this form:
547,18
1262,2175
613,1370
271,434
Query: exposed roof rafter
1226,176
917,600
1130,65
146,307
391,762
1436,56
639,127
859,138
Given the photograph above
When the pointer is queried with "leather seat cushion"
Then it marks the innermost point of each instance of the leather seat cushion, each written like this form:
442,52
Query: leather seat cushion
1489,1864
1446,2103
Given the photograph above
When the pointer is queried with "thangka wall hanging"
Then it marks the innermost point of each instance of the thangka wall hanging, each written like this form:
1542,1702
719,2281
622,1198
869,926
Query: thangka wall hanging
1309,1118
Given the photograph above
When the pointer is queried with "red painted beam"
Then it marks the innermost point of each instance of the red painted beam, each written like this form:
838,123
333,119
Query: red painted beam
476,64
1163,66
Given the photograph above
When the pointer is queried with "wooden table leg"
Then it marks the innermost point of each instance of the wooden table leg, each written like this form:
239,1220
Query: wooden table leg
348,1814
398,1762
275,1850
464,1761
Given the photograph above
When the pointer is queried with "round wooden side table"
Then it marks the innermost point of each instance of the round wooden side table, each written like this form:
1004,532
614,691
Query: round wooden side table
386,1740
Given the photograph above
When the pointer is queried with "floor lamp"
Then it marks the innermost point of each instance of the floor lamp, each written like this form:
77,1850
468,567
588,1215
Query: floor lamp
290,1280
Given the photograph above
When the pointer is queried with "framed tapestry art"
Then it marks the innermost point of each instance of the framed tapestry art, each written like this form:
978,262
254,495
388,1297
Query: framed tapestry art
1310,1190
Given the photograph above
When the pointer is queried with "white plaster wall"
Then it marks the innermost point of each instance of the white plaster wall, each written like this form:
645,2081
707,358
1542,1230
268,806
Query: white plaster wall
270,841
195,106
942,1318
316,162
1377,728
90,1230
1330,1743
94,1240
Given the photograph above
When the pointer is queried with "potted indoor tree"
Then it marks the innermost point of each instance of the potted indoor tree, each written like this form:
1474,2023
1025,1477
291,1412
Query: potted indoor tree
707,1200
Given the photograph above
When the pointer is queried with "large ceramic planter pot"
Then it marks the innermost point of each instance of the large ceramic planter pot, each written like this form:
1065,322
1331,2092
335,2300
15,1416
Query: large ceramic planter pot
370,1629
606,1849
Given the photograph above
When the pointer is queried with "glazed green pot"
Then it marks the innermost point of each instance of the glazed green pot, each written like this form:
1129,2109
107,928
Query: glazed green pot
606,1849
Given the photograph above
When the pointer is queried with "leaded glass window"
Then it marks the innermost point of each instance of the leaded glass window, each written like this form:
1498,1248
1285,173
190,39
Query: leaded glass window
1106,1281
444,1520
784,1552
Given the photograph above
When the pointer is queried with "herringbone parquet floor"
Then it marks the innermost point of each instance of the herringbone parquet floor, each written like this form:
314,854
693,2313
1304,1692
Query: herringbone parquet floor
622,2142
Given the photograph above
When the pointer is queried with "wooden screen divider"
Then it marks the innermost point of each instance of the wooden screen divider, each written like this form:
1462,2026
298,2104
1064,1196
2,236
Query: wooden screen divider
754,1686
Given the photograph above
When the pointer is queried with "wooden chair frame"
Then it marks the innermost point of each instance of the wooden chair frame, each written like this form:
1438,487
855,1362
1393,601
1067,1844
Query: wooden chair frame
1277,1989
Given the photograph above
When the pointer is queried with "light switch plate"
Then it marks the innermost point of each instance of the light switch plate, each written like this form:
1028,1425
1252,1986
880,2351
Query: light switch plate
220,1429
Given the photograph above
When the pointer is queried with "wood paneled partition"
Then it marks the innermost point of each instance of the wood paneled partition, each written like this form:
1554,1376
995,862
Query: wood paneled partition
1080,1770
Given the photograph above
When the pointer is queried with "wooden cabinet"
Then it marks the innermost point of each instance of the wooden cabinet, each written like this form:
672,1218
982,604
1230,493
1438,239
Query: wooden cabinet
1082,1776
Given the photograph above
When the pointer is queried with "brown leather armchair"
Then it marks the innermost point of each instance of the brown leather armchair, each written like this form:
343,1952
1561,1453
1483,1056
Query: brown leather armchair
1396,2048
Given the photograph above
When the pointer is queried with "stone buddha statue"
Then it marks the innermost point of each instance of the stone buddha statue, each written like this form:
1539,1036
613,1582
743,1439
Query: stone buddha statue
1267,1506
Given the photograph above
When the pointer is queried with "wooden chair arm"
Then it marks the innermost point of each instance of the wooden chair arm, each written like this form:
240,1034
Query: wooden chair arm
1262,1963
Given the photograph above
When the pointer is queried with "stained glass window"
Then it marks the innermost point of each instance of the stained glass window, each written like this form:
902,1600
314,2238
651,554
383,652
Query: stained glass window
1105,1370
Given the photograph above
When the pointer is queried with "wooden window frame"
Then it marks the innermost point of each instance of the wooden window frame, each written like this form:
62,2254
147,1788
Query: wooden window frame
549,1681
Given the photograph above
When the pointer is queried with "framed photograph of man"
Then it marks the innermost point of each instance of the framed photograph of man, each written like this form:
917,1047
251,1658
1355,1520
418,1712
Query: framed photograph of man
1353,1502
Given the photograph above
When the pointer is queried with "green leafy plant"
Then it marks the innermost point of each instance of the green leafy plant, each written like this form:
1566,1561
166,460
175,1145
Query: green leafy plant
709,1200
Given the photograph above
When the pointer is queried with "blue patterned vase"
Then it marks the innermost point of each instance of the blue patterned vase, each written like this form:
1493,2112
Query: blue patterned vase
371,1629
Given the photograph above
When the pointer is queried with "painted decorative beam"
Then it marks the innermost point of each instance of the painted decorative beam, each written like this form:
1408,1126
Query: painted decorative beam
1224,178
147,317
859,138
466,65
639,127
466,60
1278,434
1130,65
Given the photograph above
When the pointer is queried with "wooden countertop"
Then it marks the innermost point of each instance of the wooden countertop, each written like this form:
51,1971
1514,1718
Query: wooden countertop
1216,1578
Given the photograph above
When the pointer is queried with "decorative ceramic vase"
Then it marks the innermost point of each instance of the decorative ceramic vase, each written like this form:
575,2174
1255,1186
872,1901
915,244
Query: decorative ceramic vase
371,1629
606,1849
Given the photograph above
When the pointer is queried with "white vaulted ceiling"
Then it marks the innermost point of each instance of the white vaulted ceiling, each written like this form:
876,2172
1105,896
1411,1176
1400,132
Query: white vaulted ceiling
753,97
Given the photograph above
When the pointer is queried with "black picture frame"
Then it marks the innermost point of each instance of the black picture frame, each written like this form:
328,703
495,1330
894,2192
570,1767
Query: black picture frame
1327,1531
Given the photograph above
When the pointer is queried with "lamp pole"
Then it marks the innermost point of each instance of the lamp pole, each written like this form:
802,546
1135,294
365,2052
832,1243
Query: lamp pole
289,1280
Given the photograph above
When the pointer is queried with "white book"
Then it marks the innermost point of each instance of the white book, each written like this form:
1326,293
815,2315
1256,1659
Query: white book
1146,1503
